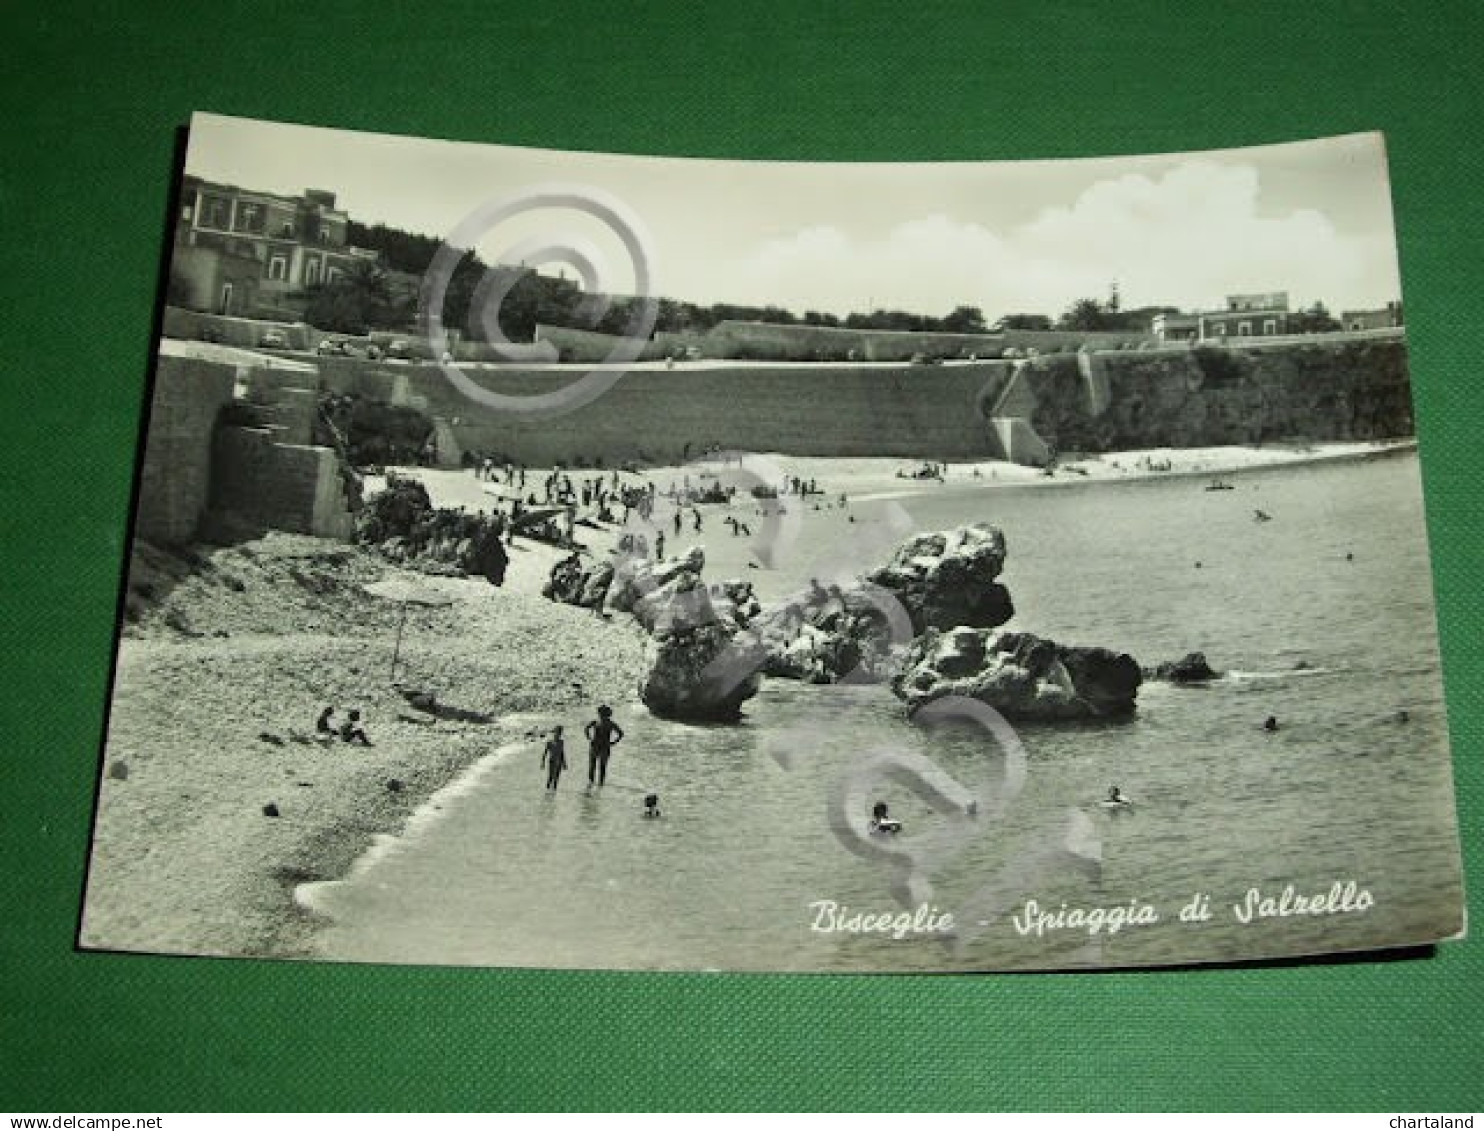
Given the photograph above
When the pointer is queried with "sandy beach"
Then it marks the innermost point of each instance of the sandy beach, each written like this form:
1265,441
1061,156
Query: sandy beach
218,686
232,652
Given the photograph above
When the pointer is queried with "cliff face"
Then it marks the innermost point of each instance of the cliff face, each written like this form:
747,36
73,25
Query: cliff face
1353,390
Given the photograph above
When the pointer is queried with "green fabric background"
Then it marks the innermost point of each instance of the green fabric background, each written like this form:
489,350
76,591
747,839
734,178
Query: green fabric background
92,95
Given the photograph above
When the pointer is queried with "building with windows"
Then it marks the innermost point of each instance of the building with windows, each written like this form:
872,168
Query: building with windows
1247,316
1169,327
1388,317
244,252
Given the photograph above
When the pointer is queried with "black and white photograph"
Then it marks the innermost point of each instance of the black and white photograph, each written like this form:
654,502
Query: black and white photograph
592,561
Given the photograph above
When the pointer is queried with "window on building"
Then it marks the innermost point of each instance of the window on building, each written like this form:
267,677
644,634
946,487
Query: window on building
288,231
311,272
247,216
1244,329
1269,326
226,307
278,267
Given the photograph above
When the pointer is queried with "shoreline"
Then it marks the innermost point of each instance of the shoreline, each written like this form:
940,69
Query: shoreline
184,860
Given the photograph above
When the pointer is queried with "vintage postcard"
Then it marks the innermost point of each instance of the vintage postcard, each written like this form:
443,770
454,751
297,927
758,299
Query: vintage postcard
587,561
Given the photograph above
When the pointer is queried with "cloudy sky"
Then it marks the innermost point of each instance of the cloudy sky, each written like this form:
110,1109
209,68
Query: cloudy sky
1312,218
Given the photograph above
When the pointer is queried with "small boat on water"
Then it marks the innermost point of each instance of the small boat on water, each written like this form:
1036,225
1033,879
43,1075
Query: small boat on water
1219,484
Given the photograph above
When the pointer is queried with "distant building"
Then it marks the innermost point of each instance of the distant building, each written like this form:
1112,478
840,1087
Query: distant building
1247,316
1175,327
1387,317
244,252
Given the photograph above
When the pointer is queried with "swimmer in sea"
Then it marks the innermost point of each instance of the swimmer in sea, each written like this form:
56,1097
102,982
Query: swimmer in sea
881,820
651,805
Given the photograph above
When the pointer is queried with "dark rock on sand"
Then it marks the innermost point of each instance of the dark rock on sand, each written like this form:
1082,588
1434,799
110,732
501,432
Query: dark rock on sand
572,582
947,579
1023,676
635,578
402,524
270,810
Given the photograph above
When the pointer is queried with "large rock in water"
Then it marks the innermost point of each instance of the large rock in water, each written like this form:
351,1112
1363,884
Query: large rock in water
1024,677
701,673
828,635
1189,668
947,579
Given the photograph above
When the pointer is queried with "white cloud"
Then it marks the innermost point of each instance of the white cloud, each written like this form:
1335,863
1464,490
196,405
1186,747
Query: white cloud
1188,237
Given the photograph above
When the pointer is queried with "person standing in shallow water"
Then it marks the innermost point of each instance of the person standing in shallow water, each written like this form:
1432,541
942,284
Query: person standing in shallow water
603,734
554,758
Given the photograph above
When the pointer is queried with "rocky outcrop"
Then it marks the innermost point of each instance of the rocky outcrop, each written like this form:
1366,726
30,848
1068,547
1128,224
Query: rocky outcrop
812,656
571,582
948,579
1190,668
699,664
700,673
403,525
1023,676
829,635
634,578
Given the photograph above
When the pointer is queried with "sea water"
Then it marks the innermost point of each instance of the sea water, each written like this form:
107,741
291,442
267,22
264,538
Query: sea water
1322,618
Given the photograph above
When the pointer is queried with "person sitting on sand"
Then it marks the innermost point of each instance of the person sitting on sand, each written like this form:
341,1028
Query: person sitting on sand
554,758
603,734
1115,796
352,732
882,821
651,805
324,726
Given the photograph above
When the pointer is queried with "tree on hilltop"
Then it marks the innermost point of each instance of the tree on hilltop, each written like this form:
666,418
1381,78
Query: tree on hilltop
354,302
1315,320
965,320
1023,322
1084,314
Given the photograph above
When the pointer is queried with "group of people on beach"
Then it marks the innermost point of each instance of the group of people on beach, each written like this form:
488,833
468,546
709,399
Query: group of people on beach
350,731
938,471
603,734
